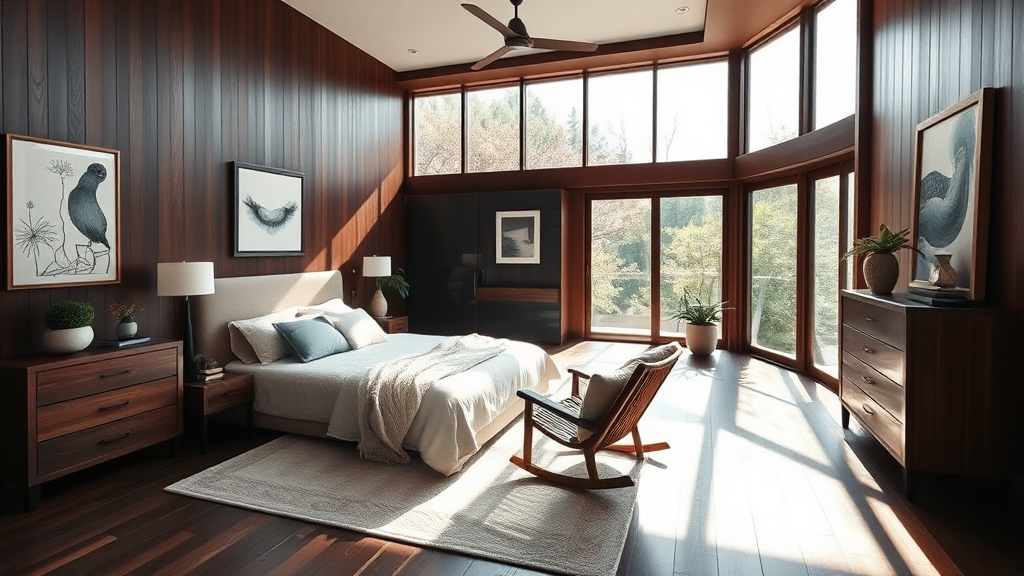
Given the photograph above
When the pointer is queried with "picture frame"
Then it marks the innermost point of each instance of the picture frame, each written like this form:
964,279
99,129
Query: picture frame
951,192
63,214
517,237
268,211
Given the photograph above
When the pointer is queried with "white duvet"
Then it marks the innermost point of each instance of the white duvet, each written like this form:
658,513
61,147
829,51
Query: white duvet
452,411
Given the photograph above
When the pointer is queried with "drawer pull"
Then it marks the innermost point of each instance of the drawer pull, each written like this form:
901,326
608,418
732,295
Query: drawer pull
122,436
868,410
869,319
868,379
232,393
121,373
118,405
868,350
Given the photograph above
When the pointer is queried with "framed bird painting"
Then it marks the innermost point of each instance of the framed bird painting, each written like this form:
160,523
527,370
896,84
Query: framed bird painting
63,203
268,211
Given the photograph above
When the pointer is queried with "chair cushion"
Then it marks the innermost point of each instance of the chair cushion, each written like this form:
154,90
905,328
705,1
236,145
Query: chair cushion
312,339
358,328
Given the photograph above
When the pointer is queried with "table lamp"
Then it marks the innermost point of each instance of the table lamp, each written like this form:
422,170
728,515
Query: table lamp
185,279
377,267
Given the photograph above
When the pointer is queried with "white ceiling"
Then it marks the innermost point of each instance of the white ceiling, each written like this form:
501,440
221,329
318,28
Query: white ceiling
442,32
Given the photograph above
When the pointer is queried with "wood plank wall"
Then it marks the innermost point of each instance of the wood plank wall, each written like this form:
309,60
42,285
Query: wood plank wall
182,88
928,56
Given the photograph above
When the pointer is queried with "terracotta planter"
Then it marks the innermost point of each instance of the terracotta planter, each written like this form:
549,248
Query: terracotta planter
701,339
68,341
881,271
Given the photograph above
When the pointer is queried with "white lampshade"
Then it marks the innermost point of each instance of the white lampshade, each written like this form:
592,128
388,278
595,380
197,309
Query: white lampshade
184,278
376,266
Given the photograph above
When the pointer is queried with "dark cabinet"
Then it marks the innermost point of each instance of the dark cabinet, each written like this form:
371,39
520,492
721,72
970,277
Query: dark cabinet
458,286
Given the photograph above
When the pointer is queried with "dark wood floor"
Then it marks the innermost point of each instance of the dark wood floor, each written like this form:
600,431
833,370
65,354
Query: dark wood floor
760,479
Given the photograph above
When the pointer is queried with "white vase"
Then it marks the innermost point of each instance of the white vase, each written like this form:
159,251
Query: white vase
69,340
701,340
126,330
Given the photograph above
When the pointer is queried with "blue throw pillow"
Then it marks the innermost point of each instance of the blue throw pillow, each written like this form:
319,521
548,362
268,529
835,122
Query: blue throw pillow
312,339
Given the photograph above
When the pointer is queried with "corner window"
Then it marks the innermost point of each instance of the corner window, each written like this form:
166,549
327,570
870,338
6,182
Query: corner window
835,61
773,97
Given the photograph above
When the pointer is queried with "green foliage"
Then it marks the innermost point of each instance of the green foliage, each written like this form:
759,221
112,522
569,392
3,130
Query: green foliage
396,282
885,243
693,311
69,314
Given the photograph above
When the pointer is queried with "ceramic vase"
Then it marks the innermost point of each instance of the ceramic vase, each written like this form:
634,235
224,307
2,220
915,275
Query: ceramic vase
701,339
881,271
69,340
126,328
943,275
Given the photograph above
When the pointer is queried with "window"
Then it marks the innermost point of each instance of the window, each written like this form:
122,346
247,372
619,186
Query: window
835,61
693,111
438,134
620,266
825,297
554,124
691,254
773,97
773,266
492,141
620,106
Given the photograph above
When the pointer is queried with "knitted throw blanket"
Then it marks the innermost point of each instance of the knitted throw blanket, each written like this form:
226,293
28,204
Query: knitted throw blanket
390,393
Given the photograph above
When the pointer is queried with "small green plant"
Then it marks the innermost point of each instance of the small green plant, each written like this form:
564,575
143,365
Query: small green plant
885,243
67,314
693,311
396,282
124,311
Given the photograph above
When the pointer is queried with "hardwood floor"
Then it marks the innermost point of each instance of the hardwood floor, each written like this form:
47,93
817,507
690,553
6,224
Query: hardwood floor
760,479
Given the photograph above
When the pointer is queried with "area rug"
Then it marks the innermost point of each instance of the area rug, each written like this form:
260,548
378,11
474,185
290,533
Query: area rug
490,509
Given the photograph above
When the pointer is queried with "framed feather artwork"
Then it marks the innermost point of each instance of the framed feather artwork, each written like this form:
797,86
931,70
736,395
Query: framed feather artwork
63,208
268,211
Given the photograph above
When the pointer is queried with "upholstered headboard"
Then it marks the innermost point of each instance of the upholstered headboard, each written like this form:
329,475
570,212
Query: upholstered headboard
251,296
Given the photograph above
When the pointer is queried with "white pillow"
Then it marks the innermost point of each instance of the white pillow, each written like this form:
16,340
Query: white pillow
358,328
256,339
336,305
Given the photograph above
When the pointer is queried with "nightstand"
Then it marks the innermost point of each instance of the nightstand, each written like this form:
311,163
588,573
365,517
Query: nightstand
394,324
204,399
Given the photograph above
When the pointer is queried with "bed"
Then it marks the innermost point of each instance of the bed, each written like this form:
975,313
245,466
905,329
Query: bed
457,415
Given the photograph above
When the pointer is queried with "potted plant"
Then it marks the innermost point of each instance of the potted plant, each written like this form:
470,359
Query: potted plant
69,326
881,268
396,282
124,313
701,322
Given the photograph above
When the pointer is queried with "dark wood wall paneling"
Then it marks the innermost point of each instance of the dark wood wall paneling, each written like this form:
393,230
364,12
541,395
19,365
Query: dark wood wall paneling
181,89
928,56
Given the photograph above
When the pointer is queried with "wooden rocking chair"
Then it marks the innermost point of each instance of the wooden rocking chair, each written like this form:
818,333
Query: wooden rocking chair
561,422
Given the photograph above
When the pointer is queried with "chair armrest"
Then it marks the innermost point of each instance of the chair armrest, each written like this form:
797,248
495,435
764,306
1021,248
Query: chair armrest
577,375
555,408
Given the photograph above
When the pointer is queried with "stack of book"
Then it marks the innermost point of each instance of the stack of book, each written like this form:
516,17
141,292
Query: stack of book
211,374
927,294
123,343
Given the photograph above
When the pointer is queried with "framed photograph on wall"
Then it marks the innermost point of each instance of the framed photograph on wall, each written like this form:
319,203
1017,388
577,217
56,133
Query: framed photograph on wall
268,211
63,203
951,192
517,237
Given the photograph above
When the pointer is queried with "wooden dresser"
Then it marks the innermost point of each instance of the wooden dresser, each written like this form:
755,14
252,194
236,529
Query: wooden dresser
928,383
62,413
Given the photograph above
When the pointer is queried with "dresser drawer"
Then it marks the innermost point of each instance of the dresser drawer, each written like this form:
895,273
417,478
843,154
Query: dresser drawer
55,420
879,355
882,425
882,390
90,378
880,323
82,449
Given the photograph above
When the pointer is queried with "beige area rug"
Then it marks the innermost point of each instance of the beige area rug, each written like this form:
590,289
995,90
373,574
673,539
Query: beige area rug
490,509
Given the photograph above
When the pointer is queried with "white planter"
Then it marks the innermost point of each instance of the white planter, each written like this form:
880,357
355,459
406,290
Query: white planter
701,340
68,341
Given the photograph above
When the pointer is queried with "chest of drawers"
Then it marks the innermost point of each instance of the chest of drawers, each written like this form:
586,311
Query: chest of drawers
61,414
928,383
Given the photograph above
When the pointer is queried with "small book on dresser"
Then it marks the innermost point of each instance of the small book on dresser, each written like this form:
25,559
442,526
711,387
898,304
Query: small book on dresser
123,343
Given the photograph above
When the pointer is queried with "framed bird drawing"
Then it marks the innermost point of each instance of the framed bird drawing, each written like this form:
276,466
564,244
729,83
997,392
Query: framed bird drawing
63,203
268,211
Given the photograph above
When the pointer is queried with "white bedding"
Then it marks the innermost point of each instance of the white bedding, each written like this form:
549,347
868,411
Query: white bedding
443,431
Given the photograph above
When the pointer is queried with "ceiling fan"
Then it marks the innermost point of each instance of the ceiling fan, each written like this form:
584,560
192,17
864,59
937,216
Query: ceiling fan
516,37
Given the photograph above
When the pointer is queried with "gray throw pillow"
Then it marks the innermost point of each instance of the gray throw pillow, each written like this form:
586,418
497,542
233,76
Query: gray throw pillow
312,339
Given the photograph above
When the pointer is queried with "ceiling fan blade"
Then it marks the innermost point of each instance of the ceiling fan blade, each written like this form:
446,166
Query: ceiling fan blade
491,57
490,20
549,44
